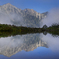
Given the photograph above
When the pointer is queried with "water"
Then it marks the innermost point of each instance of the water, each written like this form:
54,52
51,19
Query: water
30,46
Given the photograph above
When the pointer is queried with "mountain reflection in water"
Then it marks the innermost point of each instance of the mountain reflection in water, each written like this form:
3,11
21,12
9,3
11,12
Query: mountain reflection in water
11,45
52,41
30,43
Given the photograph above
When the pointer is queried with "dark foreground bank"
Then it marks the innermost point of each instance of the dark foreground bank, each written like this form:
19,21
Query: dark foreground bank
8,30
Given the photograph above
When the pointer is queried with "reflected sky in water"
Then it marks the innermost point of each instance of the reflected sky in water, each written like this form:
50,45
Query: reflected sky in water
29,46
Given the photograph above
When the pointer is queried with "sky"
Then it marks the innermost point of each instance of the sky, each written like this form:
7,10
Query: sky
37,5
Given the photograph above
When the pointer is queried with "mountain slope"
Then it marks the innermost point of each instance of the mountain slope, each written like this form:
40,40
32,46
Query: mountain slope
13,15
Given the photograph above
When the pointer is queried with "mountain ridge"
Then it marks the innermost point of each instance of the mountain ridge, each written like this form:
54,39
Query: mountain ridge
18,17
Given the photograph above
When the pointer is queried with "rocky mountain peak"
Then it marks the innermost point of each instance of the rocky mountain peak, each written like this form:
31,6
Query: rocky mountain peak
30,10
9,8
8,4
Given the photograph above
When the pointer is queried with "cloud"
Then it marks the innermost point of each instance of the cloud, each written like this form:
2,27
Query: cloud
52,17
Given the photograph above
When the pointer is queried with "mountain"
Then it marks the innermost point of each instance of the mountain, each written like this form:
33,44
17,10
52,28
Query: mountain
27,17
